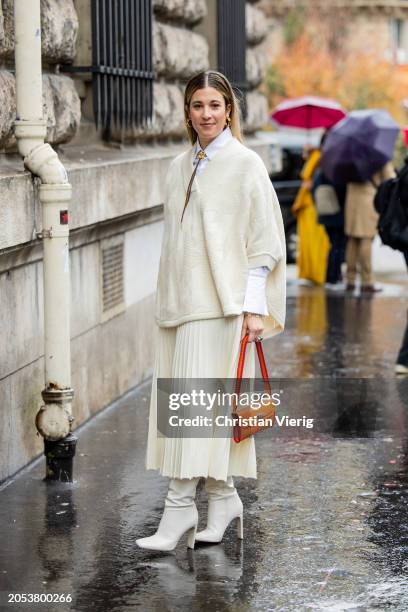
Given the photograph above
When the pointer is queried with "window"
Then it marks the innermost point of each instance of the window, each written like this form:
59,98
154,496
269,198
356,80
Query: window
398,51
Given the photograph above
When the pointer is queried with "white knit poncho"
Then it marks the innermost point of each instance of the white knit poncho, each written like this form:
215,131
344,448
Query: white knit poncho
232,222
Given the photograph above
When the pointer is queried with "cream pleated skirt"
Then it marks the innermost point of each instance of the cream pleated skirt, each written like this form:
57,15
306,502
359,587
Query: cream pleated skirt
199,349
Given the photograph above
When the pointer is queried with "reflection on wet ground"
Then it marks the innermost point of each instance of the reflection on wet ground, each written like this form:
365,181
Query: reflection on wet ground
326,523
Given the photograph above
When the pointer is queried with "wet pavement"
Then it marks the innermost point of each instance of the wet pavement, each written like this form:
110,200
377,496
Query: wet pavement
325,524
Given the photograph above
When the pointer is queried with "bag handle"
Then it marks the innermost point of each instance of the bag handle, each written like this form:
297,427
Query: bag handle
241,363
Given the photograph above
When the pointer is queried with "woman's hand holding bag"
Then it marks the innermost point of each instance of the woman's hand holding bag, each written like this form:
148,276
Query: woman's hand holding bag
266,412
252,326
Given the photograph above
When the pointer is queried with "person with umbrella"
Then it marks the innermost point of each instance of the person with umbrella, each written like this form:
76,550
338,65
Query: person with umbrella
309,112
330,199
358,151
314,245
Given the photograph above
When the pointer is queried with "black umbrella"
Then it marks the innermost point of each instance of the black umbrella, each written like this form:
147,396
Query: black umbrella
359,145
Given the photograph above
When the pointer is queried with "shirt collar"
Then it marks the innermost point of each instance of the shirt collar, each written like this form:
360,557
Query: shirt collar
215,145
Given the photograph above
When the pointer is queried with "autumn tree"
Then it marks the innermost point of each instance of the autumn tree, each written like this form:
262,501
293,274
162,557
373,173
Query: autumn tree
313,60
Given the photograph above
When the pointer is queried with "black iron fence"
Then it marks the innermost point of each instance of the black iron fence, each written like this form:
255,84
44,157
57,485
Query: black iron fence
232,46
122,63
122,57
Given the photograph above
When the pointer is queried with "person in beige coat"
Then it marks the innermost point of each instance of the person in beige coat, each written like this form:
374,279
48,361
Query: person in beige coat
361,221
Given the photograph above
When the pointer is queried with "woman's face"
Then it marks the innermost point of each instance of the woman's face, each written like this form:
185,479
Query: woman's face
208,114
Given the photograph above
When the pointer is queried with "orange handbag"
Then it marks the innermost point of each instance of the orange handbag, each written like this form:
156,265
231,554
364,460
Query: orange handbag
245,420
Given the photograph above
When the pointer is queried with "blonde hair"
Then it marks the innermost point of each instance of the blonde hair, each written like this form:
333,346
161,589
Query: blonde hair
212,78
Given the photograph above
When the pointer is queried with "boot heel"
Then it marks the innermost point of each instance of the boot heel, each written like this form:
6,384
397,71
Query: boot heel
240,527
191,534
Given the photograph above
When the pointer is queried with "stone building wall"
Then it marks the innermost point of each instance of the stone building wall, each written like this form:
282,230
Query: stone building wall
364,26
61,102
256,63
178,53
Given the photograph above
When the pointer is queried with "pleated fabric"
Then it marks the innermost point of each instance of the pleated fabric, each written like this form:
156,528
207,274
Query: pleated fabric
199,349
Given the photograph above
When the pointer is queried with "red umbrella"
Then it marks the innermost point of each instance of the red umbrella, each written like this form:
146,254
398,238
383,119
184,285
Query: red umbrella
309,112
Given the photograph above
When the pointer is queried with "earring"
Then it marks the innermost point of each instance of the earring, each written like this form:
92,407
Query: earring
229,121
188,123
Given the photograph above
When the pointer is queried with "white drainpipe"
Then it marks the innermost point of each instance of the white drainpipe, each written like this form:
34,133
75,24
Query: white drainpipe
54,419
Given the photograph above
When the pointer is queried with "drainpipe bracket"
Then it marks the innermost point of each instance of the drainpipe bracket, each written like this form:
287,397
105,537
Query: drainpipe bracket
44,234
53,233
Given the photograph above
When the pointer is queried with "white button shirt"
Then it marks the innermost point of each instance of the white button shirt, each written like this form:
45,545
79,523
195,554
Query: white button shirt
255,296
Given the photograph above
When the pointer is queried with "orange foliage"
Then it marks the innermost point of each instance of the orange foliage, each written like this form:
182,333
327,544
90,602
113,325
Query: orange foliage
306,67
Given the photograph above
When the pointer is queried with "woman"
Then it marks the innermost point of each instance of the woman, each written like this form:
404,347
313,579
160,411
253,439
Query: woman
314,243
361,227
221,269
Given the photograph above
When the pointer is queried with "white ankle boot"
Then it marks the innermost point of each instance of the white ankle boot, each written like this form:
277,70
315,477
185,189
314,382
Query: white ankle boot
224,505
179,516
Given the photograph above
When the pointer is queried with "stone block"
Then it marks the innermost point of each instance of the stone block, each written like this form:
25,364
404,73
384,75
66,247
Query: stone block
1,25
59,28
256,25
7,29
168,115
88,372
5,418
257,111
127,341
22,326
189,11
18,214
178,53
7,107
25,401
142,256
256,62
62,108
112,358
85,288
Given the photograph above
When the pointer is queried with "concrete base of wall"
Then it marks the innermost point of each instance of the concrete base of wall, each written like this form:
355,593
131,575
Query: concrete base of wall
107,361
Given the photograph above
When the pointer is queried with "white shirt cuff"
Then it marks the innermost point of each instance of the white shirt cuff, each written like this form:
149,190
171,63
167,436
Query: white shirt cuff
255,295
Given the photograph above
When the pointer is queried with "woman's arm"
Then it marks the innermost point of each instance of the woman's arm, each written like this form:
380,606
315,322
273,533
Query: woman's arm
265,244
255,306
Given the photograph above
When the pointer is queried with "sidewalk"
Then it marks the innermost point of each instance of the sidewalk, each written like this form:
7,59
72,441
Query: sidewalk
325,524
